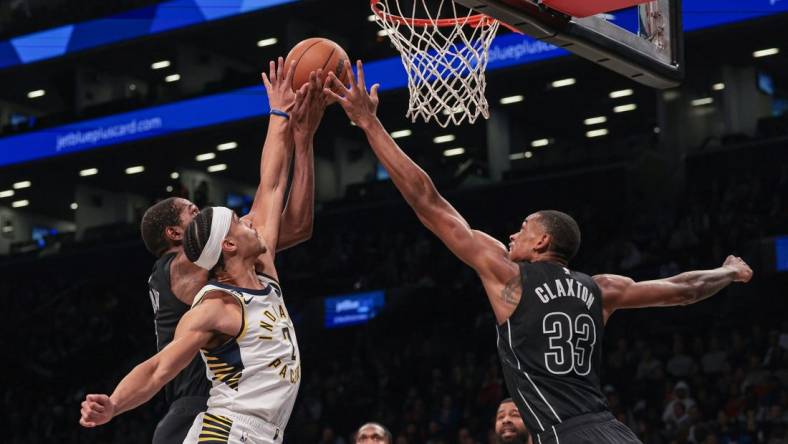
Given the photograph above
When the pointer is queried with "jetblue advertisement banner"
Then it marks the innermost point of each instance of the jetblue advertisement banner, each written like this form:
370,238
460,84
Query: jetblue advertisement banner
353,309
127,127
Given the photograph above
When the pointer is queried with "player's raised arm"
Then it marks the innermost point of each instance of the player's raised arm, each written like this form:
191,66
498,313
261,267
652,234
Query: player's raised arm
196,329
266,211
298,218
483,253
682,289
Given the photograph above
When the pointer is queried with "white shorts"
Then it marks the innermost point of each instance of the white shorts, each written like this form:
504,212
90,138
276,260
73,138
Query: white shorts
223,427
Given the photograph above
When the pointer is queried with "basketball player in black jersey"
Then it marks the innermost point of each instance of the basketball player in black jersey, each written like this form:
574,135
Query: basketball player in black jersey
175,280
550,318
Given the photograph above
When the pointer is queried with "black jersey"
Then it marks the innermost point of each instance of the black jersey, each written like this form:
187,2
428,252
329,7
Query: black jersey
551,346
168,310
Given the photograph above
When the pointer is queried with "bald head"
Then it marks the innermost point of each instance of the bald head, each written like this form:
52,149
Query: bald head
373,433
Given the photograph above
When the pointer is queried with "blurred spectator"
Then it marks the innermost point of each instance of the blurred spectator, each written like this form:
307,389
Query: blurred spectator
373,433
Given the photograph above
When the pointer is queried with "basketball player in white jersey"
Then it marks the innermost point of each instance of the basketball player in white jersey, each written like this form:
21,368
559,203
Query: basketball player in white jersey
175,280
238,323
241,328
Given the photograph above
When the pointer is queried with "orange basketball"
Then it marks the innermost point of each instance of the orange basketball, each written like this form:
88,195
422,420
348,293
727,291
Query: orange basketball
316,53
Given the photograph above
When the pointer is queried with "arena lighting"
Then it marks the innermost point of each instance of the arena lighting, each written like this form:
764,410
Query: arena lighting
597,133
23,184
36,93
401,133
174,175
765,52
595,120
563,82
718,86
205,156
267,42
135,169
74,206
6,193
516,156
383,33
160,64
226,146
216,168
454,152
169,188
540,142
621,93
529,154
88,172
703,101
172,78
444,139
511,99
625,108
20,203
371,18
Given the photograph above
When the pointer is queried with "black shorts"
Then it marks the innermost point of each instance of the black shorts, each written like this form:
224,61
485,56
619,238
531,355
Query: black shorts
172,429
592,428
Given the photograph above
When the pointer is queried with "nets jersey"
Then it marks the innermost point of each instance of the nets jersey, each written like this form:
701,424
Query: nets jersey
168,310
258,372
551,346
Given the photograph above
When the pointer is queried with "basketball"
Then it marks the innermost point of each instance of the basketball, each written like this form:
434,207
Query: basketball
317,53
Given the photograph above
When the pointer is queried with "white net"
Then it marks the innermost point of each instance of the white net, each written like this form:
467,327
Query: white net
444,58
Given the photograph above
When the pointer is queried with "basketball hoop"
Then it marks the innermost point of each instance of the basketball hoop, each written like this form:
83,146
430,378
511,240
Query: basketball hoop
444,57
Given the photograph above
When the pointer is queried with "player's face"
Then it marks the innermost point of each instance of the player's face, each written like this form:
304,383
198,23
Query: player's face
246,237
521,244
371,434
509,426
188,212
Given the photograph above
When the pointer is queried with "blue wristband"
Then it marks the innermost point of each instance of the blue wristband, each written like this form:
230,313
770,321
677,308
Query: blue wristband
279,113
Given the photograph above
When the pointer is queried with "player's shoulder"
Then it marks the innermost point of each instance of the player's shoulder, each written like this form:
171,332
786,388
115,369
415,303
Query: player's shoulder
268,280
217,294
612,282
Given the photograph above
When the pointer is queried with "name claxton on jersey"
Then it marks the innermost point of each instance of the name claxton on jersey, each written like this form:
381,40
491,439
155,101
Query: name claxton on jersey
564,287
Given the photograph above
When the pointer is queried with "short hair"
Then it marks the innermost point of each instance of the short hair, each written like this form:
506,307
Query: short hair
386,433
564,233
155,222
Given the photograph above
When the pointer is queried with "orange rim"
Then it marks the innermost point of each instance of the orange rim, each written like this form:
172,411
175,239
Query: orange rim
472,20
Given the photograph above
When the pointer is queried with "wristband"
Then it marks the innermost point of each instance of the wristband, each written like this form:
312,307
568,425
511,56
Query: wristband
279,113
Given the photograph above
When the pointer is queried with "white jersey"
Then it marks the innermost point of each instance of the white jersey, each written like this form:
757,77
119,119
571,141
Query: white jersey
258,372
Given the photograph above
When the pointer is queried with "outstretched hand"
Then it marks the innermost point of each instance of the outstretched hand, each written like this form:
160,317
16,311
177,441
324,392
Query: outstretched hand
738,266
279,85
359,105
96,410
310,104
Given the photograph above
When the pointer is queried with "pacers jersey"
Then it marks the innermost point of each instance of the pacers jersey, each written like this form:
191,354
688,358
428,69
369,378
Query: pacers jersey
258,372
551,346
167,311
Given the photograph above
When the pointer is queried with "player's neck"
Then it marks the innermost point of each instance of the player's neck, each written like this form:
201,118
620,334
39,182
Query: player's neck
240,273
550,258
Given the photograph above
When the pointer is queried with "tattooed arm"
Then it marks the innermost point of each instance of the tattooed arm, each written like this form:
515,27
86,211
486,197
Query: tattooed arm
489,257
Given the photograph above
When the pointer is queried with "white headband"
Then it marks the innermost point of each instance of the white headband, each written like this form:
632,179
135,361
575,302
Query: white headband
220,226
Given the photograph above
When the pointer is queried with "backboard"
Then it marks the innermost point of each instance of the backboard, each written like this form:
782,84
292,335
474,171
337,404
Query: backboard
643,42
